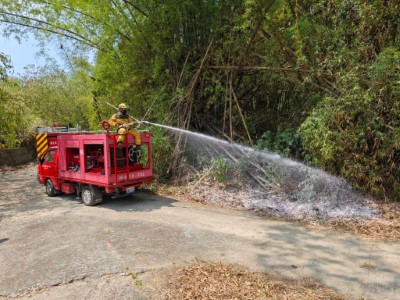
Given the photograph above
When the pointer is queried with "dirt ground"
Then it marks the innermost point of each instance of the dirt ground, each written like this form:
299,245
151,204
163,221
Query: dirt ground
152,247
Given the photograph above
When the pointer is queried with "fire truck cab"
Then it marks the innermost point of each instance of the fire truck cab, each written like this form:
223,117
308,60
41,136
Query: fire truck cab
90,165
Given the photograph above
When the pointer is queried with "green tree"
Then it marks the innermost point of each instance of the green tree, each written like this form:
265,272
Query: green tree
5,65
238,68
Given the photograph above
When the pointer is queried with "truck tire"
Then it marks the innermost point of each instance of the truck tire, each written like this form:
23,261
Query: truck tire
91,195
50,191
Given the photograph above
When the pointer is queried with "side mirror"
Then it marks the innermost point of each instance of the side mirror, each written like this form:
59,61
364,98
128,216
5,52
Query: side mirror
40,160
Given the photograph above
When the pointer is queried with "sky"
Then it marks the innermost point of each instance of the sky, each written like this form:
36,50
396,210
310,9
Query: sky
26,52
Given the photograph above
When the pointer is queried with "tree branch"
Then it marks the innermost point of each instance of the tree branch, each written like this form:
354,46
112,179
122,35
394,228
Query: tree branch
136,7
240,112
55,32
140,29
62,31
94,19
261,68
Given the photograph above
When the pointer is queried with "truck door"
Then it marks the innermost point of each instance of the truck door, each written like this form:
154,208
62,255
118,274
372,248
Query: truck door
49,166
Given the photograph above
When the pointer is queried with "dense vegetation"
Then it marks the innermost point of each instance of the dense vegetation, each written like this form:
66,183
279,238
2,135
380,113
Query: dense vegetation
317,80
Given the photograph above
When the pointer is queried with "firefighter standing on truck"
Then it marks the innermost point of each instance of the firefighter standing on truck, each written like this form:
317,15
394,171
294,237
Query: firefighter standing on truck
122,121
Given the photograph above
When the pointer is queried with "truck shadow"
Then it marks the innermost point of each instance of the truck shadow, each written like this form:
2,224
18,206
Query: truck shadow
140,202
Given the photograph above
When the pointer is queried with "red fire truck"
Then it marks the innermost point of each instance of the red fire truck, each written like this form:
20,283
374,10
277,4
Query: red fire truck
90,165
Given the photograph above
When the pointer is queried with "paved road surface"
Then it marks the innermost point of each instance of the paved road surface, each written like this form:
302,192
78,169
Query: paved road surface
57,248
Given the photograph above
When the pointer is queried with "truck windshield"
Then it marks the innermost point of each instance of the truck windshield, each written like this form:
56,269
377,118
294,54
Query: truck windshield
49,156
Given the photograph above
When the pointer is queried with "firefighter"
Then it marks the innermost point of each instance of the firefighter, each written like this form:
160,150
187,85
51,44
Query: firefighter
123,122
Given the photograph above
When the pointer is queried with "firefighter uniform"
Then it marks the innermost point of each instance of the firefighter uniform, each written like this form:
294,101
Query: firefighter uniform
119,119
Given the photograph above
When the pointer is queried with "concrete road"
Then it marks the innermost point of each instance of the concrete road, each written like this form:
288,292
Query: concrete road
57,248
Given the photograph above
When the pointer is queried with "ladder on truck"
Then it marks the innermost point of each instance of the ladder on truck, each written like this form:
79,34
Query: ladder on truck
117,170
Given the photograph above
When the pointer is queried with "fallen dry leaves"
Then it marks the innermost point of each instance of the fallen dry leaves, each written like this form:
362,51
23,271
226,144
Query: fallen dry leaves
218,281
372,229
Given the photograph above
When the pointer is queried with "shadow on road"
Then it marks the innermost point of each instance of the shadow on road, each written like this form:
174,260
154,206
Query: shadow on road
142,201
343,263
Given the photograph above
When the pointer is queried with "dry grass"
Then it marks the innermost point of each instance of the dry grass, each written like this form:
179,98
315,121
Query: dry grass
368,229
386,227
380,229
218,281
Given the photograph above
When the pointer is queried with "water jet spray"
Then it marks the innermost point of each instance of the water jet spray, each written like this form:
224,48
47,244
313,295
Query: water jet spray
288,187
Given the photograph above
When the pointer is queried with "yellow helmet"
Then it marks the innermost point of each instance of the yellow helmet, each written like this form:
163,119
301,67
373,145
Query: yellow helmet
123,105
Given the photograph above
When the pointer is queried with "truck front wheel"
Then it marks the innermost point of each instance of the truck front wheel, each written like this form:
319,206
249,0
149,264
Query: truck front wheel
91,195
50,191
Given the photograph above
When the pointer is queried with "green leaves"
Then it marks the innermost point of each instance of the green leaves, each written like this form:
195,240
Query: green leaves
42,97
5,65
357,134
285,142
